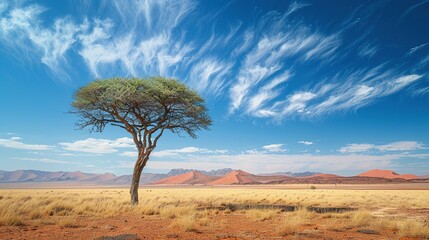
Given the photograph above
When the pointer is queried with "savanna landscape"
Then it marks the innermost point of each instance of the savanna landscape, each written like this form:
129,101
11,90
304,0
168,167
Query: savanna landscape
215,213
223,120
193,205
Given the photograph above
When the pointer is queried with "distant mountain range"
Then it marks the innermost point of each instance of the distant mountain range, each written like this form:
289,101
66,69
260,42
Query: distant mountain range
226,176
45,176
218,172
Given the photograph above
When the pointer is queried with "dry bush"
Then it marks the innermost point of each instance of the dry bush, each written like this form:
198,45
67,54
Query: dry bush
262,214
148,208
36,215
186,223
171,211
361,218
11,220
290,224
381,223
303,212
413,228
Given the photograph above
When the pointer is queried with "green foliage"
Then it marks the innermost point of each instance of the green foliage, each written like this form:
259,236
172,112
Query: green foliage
141,106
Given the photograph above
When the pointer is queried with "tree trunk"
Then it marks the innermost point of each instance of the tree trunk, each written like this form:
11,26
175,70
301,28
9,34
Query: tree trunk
134,190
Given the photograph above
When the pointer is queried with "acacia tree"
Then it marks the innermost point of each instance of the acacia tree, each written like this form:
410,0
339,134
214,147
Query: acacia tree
145,108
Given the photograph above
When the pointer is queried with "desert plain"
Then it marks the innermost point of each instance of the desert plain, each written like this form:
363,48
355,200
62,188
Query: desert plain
295,211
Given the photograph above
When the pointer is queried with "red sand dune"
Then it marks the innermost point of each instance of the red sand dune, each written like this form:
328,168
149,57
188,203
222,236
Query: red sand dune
386,174
235,177
193,177
240,177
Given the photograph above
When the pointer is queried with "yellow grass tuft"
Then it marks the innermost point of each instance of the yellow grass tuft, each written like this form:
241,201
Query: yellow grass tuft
262,214
361,218
172,211
413,228
290,224
186,223
11,220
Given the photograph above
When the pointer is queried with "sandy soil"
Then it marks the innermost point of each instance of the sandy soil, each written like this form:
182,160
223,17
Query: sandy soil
229,226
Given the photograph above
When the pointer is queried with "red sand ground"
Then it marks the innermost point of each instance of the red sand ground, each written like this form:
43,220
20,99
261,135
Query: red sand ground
225,226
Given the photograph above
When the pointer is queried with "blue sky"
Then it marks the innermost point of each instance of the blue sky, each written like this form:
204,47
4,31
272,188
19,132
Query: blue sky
331,86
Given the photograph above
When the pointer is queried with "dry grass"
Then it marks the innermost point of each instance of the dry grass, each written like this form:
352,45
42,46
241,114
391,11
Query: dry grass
172,211
262,214
413,228
360,218
68,222
191,209
290,224
186,223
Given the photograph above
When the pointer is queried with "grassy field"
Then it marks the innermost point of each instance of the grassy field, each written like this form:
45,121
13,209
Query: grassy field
392,213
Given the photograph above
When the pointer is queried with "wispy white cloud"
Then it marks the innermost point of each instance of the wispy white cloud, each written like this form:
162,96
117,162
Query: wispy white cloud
173,152
209,76
177,152
129,153
232,33
248,65
45,160
306,142
401,146
356,91
247,40
267,57
354,148
394,146
15,143
421,91
295,6
68,154
274,148
257,103
412,8
416,48
96,40
51,43
93,145
3,6
154,53
367,50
